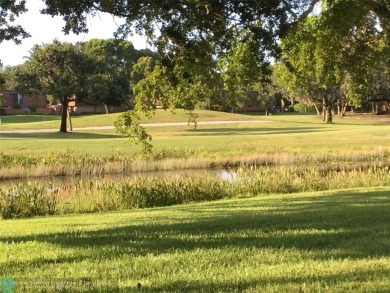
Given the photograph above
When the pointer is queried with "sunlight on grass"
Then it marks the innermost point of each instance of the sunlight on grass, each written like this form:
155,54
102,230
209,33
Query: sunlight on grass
231,140
53,121
312,242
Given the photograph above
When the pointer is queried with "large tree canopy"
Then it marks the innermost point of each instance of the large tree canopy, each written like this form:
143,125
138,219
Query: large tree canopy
334,63
57,69
171,23
110,63
190,24
10,10
200,26
180,20
191,34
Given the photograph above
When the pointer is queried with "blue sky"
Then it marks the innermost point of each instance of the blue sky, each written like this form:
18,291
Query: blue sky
44,29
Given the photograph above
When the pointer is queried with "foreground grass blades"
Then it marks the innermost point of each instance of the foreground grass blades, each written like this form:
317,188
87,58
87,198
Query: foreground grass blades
310,242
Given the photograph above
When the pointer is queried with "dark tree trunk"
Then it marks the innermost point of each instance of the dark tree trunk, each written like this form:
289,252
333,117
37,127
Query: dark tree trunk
64,116
329,118
327,110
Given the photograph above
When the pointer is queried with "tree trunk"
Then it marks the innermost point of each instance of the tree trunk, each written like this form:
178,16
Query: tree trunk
324,108
343,109
105,108
329,118
318,110
327,110
64,115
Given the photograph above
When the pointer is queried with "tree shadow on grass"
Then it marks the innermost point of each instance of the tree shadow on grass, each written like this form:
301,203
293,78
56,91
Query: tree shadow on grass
251,131
348,223
295,284
58,135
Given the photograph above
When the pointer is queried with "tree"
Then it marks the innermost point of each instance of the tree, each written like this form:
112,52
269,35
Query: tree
8,74
57,69
110,64
240,69
10,10
2,78
321,58
183,29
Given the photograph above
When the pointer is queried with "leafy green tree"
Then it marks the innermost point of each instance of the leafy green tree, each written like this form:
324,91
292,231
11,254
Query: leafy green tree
9,77
10,10
110,64
144,66
127,124
182,30
190,35
320,57
58,69
240,69
176,25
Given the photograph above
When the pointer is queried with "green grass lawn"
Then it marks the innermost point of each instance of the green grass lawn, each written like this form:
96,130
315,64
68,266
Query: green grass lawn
333,241
283,133
311,242
36,121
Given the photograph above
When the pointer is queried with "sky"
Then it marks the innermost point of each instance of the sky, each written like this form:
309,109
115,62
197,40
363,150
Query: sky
44,29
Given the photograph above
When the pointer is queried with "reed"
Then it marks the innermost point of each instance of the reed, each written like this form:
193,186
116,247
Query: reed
76,164
108,195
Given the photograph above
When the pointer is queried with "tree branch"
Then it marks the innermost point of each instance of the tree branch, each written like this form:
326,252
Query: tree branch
382,10
308,10
304,13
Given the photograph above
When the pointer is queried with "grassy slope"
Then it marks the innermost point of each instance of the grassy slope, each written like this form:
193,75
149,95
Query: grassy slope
53,121
323,242
284,134
36,121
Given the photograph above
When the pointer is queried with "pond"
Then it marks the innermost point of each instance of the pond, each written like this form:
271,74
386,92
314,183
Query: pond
66,181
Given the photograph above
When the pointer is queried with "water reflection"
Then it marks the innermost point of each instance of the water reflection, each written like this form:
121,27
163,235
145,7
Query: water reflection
61,182
229,175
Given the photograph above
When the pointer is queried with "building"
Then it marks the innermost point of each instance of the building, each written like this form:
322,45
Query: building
13,98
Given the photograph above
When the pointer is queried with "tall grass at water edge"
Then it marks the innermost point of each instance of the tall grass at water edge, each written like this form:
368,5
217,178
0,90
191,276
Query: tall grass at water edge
14,166
94,196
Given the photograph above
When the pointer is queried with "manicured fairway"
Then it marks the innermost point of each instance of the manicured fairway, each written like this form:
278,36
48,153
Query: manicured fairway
288,133
311,242
32,121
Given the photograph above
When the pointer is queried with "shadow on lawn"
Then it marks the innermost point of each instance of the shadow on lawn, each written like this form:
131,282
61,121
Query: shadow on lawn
57,135
347,226
251,131
260,284
348,223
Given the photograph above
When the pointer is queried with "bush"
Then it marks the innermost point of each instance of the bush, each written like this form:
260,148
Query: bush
301,108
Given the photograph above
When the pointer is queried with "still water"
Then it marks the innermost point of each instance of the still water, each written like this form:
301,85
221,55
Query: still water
60,182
